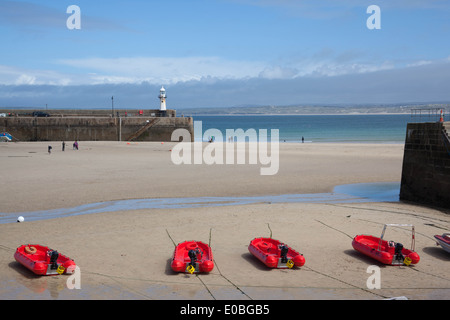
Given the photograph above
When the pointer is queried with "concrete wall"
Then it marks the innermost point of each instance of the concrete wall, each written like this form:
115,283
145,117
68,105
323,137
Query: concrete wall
95,128
426,164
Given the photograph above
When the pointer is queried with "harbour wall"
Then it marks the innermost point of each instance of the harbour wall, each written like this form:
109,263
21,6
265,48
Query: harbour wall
426,164
95,127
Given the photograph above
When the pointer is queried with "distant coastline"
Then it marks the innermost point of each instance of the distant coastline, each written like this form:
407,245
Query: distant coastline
400,109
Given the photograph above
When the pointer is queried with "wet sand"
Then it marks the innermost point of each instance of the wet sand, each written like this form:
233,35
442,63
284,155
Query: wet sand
126,254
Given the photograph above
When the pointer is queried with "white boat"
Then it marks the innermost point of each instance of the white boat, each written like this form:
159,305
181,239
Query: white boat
443,241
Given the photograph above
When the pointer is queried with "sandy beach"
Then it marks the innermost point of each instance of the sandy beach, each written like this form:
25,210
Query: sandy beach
126,254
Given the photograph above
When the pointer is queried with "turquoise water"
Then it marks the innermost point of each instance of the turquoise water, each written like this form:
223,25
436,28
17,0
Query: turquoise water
316,128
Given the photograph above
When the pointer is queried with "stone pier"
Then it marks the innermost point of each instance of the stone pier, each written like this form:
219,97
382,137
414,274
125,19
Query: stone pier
426,164
95,126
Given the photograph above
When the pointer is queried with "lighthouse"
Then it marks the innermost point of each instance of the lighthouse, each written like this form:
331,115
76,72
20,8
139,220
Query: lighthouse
162,98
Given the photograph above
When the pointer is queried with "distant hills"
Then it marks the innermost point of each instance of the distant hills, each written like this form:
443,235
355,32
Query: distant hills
312,109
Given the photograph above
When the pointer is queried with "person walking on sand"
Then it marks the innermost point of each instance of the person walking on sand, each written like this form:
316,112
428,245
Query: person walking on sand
63,145
75,145
49,149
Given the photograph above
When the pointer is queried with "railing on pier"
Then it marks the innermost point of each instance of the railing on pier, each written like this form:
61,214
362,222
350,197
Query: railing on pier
426,114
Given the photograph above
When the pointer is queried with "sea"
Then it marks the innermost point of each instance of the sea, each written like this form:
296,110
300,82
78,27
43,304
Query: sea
354,128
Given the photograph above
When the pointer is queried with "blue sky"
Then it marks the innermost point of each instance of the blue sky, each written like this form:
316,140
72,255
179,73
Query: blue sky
223,53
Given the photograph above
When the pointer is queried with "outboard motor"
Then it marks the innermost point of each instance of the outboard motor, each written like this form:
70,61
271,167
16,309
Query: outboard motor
283,253
398,251
193,256
54,255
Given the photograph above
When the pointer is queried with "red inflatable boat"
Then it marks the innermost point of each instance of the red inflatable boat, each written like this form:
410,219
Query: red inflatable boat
387,252
44,261
275,254
192,257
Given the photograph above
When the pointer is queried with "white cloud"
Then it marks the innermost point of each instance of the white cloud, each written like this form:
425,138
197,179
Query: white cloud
162,70
174,70
279,73
419,63
25,79
19,76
